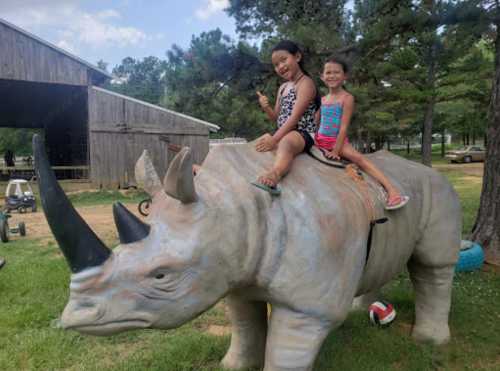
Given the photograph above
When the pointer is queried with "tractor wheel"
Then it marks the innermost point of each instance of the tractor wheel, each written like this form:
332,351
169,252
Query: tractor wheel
4,231
21,209
471,257
22,229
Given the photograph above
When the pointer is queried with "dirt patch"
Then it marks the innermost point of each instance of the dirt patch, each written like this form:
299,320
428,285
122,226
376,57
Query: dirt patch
99,218
219,330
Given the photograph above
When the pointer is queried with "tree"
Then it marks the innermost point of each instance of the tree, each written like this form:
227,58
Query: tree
101,64
140,79
17,140
215,80
486,229
413,45
320,27
464,93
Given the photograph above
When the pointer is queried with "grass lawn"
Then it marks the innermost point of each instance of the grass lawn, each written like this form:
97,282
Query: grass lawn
34,289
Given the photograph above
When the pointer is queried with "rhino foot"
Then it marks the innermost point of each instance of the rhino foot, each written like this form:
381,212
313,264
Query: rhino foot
431,332
232,361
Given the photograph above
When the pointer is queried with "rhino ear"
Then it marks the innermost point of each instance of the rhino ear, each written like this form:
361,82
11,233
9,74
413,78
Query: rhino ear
179,182
146,175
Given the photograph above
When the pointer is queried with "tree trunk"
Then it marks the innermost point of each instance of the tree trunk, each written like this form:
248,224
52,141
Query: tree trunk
408,146
443,143
431,86
427,134
486,230
429,112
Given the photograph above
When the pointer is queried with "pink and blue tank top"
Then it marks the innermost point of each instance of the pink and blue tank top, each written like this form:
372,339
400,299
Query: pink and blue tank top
331,118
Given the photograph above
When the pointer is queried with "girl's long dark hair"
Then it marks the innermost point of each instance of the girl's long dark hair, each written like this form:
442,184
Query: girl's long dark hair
292,48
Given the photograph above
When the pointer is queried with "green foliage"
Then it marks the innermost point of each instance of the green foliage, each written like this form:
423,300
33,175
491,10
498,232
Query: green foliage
405,55
215,80
140,79
17,140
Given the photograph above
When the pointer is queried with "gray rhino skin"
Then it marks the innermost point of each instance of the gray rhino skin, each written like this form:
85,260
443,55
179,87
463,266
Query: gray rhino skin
303,252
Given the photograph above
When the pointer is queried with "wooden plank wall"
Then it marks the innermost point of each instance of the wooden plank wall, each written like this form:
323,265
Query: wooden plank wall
120,129
24,58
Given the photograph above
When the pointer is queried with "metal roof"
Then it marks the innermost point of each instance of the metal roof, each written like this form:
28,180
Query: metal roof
211,127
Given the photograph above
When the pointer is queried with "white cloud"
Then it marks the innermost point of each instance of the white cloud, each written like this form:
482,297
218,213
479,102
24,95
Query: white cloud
211,7
108,14
73,29
92,31
66,46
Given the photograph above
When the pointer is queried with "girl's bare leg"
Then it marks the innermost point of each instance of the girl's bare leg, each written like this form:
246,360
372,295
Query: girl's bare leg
290,146
369,167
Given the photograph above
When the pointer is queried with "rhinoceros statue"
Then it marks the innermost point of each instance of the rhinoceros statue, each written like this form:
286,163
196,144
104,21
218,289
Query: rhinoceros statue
216,236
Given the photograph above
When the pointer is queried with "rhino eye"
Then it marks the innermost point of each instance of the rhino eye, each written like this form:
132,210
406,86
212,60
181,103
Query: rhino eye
160,276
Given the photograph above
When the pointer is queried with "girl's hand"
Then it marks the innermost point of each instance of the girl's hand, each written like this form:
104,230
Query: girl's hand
333,154
265,143
263,100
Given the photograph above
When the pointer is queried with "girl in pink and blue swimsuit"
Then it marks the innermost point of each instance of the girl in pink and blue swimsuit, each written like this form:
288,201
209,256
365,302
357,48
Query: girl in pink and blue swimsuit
336,112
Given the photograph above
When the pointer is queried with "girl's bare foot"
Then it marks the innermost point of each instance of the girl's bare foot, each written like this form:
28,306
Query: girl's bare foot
395,201
196,169
270,179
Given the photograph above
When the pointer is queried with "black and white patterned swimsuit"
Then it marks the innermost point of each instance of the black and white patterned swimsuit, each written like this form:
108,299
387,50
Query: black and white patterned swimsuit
287,101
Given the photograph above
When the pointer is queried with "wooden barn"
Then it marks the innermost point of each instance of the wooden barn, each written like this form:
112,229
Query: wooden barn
86,127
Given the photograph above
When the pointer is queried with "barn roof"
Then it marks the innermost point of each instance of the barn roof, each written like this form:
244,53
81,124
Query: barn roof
94,68
211,127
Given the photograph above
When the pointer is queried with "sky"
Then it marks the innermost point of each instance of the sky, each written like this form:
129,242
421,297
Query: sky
114,29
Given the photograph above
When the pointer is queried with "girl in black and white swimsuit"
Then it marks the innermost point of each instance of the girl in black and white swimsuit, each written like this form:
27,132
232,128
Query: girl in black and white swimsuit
294,112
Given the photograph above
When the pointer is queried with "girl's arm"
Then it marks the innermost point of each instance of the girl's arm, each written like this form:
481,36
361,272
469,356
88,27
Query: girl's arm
272,114
306,92
317,119
347,111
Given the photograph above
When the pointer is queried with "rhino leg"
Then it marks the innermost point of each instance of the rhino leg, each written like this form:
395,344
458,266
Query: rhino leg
248,337
294,340
432,267
432,286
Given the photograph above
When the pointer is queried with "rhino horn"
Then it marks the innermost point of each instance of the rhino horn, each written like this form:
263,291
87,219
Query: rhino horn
79,244
179,182
130,228
146,175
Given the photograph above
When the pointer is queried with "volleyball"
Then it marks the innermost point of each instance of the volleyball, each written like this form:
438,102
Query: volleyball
381,313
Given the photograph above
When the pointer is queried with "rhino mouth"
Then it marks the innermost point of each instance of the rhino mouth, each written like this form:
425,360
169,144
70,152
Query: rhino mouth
109,328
